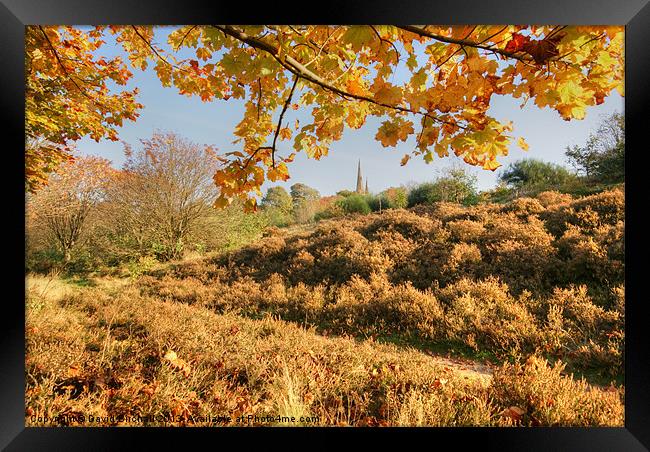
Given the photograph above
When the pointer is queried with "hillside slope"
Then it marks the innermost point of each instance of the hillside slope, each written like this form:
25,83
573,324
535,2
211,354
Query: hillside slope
544,274
297,325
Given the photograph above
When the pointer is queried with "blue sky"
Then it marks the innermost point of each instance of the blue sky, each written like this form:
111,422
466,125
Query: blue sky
213,122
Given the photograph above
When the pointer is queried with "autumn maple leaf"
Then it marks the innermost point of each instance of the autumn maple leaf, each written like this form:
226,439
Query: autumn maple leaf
517,43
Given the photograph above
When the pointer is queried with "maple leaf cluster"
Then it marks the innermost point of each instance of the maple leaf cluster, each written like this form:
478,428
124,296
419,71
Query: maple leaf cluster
341,75
67,96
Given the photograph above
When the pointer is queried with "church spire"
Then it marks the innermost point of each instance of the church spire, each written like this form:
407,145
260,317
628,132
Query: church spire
359,179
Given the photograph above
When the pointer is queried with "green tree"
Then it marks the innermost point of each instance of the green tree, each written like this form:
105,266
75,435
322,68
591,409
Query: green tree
391,198
531,175
355,204
455,185
602,158
278,205
304,201
395,197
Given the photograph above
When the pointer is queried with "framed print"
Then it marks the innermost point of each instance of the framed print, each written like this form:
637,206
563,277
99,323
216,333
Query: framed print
406,218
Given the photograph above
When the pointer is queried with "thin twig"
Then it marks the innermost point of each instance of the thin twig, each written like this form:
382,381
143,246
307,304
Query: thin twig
156,51
184,36
397,55
284,109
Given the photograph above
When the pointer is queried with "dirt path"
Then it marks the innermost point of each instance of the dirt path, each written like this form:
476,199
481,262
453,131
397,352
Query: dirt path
465,368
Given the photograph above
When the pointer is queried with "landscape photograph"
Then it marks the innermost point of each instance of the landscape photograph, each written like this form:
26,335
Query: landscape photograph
324,225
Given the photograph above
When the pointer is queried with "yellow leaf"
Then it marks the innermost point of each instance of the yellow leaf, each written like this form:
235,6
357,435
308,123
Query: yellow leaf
522,143
221,202
405,160
250,205
491,165
389,94
391,131
280,172
359,35
355,86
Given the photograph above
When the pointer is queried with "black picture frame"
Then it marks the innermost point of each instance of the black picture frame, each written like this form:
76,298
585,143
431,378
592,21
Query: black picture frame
634,14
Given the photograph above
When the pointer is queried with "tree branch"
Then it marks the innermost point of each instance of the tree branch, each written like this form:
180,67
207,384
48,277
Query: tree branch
259,97
277,129
284,109
292,65
153,49
185,36
397,55
420,31
65,71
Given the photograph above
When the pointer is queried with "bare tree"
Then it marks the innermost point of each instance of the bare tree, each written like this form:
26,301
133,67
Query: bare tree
162,192
62,208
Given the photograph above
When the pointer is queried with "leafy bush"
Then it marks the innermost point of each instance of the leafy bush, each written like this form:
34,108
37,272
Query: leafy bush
489,277
355,204
535,393
426,193
43,260
277,204
536,278
142,265
334,210
454,186
530,175
602,158
391,198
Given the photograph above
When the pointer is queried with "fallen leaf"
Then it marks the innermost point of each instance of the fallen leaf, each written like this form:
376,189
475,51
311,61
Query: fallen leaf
514,412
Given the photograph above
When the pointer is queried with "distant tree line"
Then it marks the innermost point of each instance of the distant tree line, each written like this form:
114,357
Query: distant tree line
597,165
158,205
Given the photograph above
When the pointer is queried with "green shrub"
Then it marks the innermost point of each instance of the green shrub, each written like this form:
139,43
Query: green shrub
426,193
355,204
455,185
391,198
143,264
533,176
43,261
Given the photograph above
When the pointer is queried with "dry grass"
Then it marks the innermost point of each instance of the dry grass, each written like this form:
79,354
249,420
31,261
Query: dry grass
109,356
295,324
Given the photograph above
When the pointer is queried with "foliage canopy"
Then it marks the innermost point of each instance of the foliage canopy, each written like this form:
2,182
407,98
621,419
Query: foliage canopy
341,74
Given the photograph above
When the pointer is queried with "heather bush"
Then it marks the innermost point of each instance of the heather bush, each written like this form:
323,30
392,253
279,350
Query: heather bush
523,207
593,259
490,277
409,225
537,394
519,251
552,198
377,307
464,259
587,333
588,213
466,230
484,315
